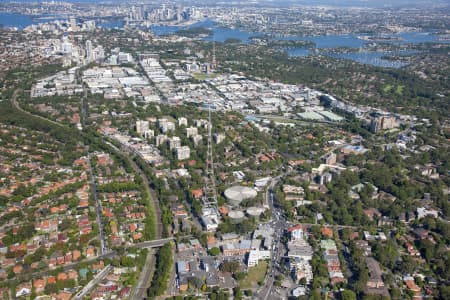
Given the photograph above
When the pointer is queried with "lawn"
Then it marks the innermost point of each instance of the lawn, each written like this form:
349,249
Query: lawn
203,76
280,119
255,274
387,88
399,89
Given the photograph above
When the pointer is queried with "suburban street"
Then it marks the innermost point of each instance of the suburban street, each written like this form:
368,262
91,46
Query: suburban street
98,208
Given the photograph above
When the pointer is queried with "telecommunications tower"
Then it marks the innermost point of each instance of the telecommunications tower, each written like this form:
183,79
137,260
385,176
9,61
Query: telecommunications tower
210,195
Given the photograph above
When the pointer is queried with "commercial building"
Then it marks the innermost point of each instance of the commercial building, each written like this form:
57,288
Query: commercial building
299,254
254,256
382,122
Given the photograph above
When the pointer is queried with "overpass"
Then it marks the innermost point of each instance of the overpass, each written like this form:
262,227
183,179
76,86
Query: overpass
153,244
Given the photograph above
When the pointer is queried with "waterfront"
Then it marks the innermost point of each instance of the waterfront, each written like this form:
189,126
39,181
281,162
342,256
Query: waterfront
221,34
327,42
16,20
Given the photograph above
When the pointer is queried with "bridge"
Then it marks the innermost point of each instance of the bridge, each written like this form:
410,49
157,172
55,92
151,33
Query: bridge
153,244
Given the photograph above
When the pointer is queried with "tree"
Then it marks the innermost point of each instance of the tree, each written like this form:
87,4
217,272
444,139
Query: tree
239,275
229,266
237,293
444,292
162,272
348,295
427,249
214,251
195,282
127,261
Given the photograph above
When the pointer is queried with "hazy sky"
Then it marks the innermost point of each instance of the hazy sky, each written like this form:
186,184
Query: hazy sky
371,3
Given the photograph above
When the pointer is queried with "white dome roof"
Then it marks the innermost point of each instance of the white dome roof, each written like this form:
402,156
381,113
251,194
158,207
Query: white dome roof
236,214
239,193
255,211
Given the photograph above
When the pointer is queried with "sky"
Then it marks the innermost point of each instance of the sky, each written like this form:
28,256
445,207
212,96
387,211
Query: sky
360,3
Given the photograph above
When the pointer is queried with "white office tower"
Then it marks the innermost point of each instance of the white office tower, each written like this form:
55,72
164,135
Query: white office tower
89,52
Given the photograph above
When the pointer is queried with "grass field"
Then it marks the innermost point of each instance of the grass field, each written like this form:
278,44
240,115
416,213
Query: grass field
400,89
387,88
255,275
390,88
203,76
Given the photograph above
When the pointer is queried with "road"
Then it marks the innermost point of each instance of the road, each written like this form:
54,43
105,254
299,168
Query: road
278,224
99,277
98,207
67,267
154,243
17,106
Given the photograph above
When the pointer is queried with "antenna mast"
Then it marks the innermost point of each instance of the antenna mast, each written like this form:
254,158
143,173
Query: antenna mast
210,196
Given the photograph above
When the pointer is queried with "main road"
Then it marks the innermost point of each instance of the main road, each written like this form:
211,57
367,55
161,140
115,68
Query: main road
279,224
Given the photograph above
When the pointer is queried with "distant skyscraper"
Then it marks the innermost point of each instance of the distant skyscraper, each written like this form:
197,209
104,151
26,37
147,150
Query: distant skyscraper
73,24
89,54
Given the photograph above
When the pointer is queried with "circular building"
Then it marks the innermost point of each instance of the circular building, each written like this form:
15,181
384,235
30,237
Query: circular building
236,194
236,216
300,291
254,211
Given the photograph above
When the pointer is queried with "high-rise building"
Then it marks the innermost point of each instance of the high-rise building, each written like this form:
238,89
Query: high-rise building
182,121
219,138
174,142
196,139
73,24
89,52
191,131
382,122
160,139
98,53
142,126
183,152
